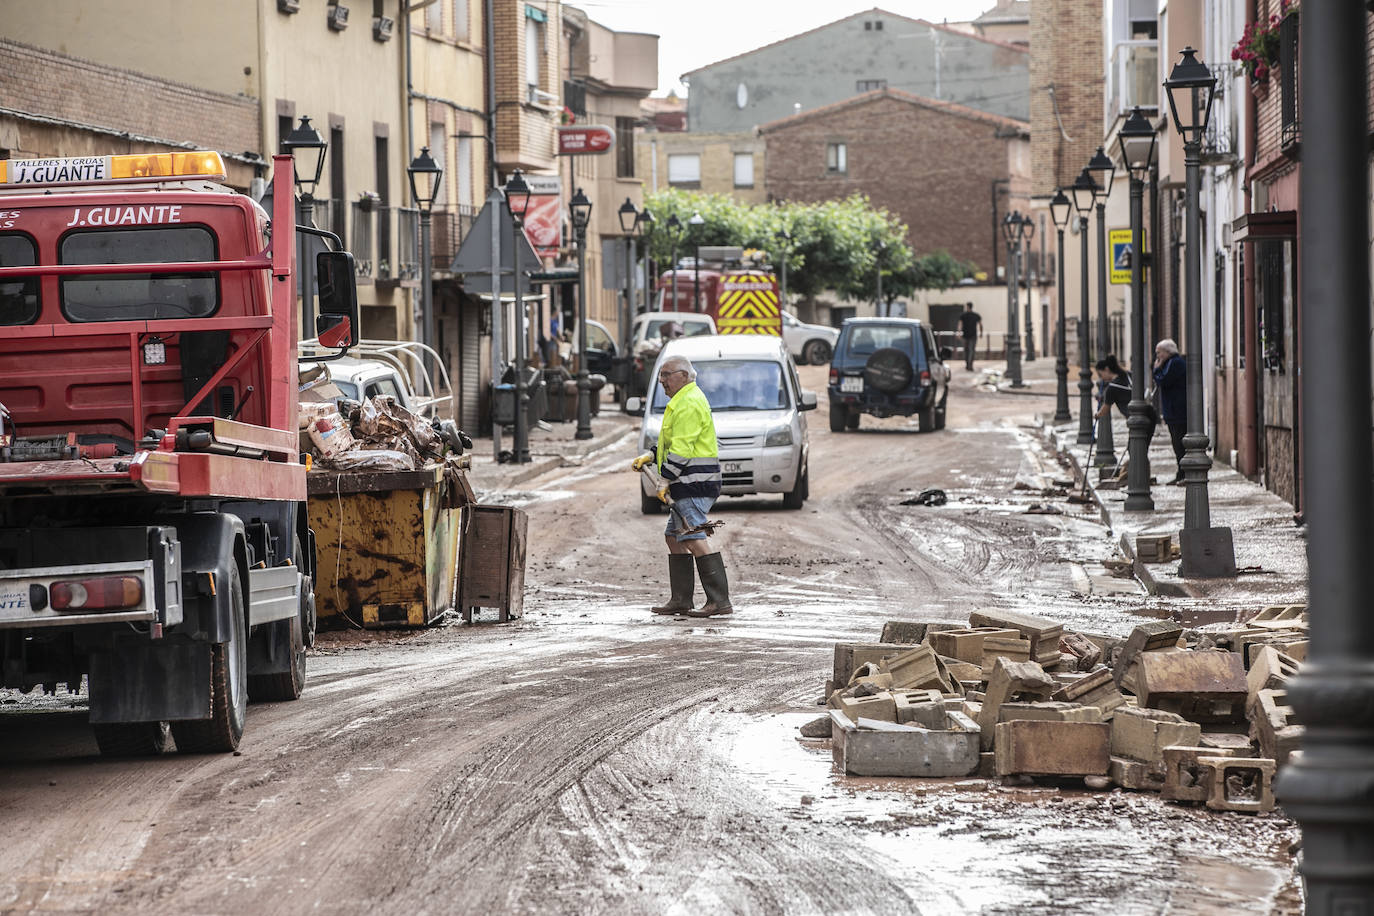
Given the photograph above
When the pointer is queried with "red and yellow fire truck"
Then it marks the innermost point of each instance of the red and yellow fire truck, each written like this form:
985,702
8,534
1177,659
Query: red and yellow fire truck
153,535
741,300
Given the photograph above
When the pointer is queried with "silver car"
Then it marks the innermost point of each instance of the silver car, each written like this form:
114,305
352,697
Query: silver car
809,344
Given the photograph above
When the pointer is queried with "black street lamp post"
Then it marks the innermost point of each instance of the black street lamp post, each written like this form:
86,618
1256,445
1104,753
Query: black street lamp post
1207,551
878,269
1103,171
581,209
518,198
1060,208
1137,141
785,243
1011,232
644,229
425,175
629,217
1084,190
694,226
1330,788
307,149
675,230
1023,237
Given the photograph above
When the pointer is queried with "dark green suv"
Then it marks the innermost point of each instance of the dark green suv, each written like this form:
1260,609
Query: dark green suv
887,367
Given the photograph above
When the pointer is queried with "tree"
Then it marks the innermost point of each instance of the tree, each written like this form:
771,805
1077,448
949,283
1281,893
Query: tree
835,245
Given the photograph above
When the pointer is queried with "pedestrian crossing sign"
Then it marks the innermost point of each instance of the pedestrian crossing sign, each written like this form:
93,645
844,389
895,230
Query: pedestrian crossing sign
1119,241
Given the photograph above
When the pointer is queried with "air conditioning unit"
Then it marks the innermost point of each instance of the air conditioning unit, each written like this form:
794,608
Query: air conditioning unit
383,27
540,97
338,17
288,6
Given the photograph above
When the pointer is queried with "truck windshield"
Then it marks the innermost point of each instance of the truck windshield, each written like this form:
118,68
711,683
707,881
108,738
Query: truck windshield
18,297
122,297
736,384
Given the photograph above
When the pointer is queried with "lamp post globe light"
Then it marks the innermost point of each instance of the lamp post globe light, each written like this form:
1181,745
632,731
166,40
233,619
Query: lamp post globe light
694,226
518,199
1328,788
1060,208
1137,141
425,175
306,148
1083,191
629,216
675,229
581,209
1103,170
1207,551
1011,233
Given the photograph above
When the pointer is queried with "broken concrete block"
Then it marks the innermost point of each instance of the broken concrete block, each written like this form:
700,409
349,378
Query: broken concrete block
1007,681
1292,646
1250,643
1239,745
849,656
1273,725
920,707
882,707
963,671
904,632
1270,669
1013,649
1148,637
1136,775
1049,711
1085,652
1039,748
1185,779
1240,783
1143,734
1201,686
816,728
875,682
1095,689
914,667
1281,617
900,750
1154,548
966,644
1042,634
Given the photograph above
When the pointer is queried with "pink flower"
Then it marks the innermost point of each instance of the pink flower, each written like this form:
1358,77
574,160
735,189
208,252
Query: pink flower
1261,72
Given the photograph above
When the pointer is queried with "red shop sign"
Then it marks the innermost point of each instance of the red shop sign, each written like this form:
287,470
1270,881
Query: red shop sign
585,140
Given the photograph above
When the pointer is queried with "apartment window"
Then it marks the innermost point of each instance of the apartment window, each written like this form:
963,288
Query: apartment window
438,149
744,170
382,151
684,168
625,147
837,158
434,18
462,181
534,45
338,211
460,19
284,125
870,85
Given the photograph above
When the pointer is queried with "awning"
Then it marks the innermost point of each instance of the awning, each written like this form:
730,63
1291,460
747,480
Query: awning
536,14
1270,225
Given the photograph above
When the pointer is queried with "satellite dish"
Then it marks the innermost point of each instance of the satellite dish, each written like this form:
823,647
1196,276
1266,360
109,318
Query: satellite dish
741,96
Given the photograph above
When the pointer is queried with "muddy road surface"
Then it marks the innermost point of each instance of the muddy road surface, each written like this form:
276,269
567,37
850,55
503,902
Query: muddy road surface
593,758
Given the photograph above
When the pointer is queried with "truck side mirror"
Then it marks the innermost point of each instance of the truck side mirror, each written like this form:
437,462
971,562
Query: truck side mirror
337,324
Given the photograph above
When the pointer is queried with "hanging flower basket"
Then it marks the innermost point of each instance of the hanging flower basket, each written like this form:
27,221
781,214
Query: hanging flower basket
1258,47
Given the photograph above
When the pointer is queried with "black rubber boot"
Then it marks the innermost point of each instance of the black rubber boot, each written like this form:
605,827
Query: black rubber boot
682,580
714,583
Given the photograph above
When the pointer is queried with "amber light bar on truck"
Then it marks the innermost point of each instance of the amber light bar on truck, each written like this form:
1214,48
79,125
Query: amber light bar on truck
101,169
110,593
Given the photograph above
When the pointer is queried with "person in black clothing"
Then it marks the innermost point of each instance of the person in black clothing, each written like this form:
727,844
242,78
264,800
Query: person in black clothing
1170,374
970,325
1114,384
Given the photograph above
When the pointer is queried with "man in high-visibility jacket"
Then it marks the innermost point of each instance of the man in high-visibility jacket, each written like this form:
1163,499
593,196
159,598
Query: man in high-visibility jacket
688,463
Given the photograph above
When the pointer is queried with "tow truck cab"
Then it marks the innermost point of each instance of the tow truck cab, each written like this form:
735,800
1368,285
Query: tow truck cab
153,536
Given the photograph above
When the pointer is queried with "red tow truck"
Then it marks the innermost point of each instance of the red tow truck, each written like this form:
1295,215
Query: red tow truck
154,542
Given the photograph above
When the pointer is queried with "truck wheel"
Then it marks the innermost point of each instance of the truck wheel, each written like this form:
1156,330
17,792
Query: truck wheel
649,505
133,739
287,685
228,686
816,352
839,415
797,495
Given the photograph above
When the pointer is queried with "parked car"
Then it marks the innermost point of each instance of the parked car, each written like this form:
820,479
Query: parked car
398,368
646,339
809,344
888,367
759,409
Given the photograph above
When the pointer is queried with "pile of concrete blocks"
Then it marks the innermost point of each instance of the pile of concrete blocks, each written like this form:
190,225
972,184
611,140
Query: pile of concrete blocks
1200,718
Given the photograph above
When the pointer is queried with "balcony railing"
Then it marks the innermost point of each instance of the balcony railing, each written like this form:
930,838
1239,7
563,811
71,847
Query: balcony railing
448,228
1133,78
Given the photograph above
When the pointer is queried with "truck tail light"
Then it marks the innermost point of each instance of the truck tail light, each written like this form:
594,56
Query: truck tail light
925,376
834,376
106,594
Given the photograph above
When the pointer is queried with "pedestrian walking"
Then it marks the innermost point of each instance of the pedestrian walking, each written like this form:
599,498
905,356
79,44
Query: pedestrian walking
687,461
1171,383
970,326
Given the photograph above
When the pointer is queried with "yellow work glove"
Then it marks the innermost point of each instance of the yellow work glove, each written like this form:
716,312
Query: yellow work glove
663,494
642,460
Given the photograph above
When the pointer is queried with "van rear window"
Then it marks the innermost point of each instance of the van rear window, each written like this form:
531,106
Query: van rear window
123,297
18,296
865,339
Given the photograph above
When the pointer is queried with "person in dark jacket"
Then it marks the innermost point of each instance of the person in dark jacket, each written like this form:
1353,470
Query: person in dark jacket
1171,383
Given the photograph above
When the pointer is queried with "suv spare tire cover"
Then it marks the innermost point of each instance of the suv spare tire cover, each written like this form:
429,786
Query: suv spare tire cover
888,370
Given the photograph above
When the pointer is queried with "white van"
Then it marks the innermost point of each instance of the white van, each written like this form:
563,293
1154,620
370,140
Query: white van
758,406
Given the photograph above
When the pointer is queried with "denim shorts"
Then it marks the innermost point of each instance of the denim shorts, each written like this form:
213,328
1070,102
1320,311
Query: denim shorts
693,510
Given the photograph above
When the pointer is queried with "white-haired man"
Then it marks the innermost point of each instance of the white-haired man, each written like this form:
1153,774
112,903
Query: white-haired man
1171,382
688,461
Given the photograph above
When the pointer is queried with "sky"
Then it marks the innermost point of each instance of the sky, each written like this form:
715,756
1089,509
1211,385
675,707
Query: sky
693,33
